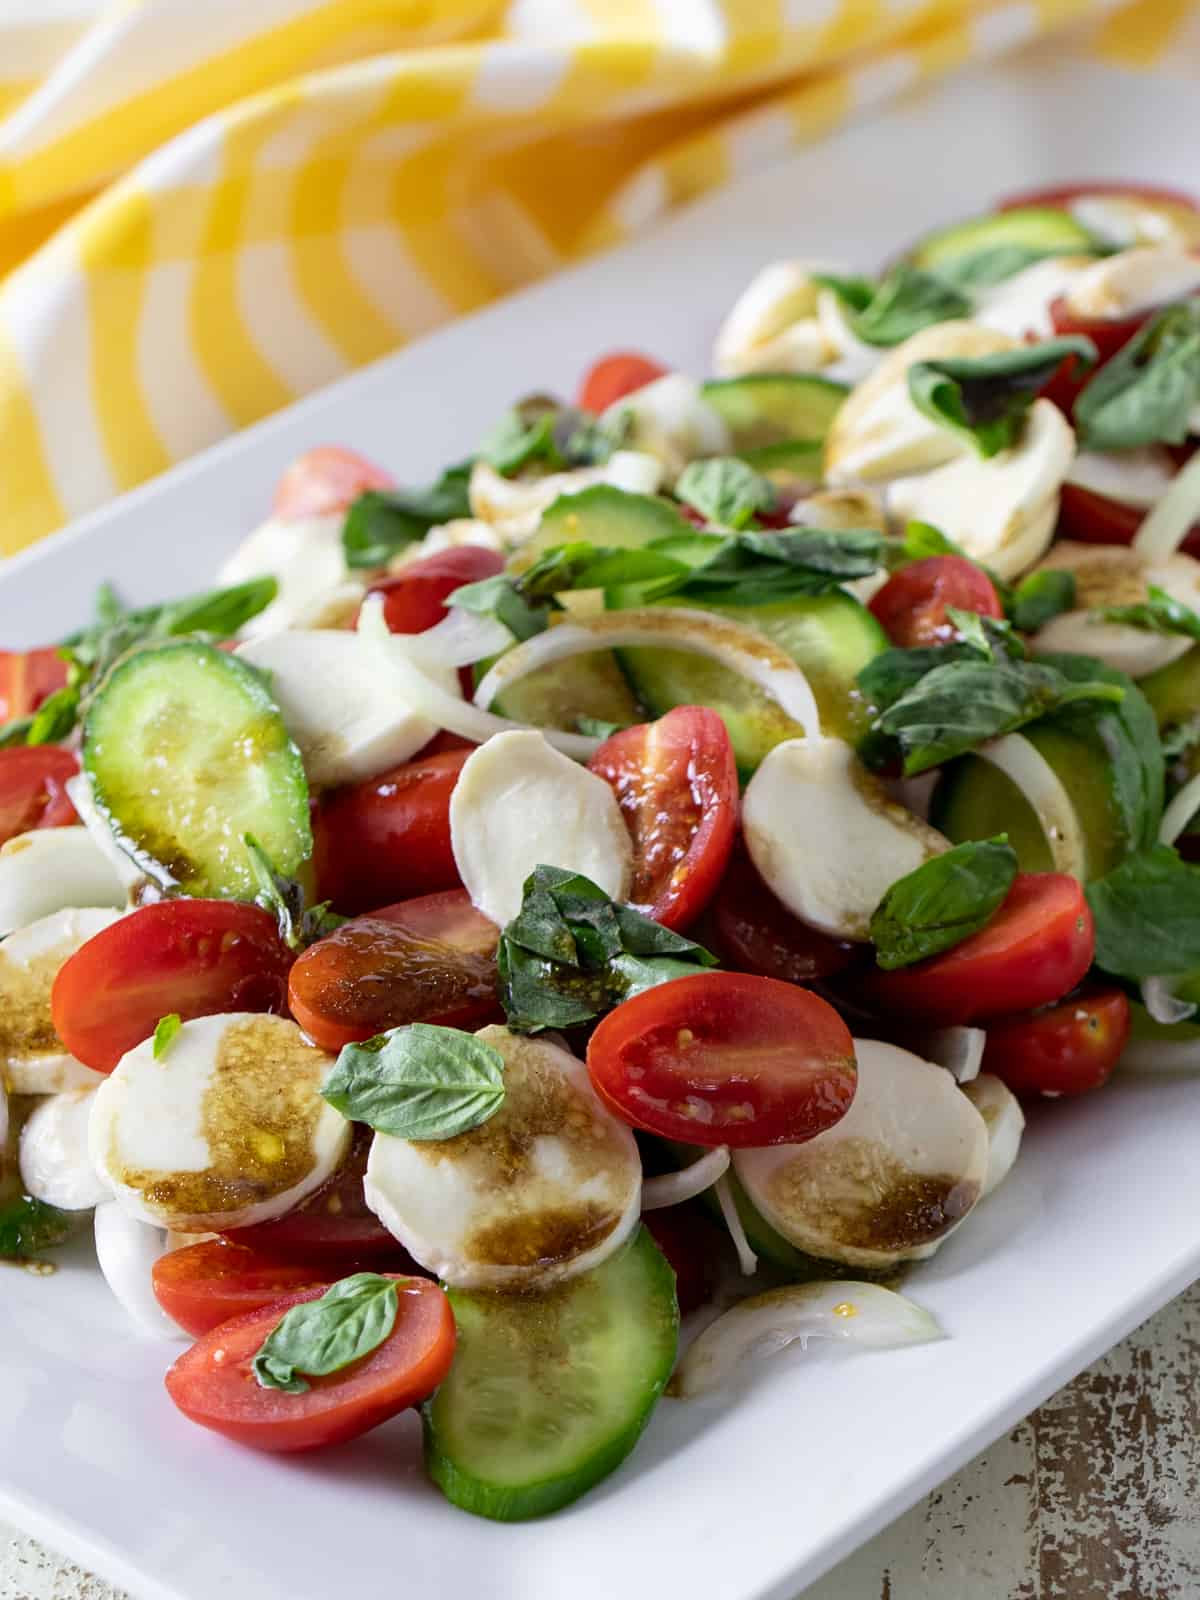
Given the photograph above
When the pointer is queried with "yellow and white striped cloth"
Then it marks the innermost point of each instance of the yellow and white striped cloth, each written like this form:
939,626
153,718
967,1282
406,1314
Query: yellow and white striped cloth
207,210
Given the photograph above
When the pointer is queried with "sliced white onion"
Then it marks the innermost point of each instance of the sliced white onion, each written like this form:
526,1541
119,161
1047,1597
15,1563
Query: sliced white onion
731,1217
673,1188
1180,812
127,1249
1005,1124
430,700
743,650
460,639
1037,780
1169,524
1163,1004
959,1050
862,1313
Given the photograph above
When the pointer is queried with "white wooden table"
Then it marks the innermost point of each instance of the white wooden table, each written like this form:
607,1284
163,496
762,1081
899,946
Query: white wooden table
1094,1497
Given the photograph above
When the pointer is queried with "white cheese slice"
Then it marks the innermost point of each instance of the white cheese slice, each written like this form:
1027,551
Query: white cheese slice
32,1057
316,588
51,869
126,1250
1134,281
55,1165
1128,219
1020,305
1004,1121
513,507
773,326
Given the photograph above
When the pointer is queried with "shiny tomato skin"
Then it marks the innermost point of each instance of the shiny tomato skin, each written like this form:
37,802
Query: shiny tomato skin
415,597
911,606
752,931
33,791
324,480
1061,194
388,838
214,1385
676,784
1036,948
692,1247
725,1058
193,957
1095,519
1063,1049
206,1284
616,375
432,959
27,677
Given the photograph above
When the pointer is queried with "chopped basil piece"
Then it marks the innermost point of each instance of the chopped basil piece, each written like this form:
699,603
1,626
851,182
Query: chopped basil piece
1147,913
540,430
725,491
418,1082
164,1033
1158,613
595,728
28,1226
382,522
985,399
905,302
1147,393
318,1337
299,923
504,599
943,902
1041,597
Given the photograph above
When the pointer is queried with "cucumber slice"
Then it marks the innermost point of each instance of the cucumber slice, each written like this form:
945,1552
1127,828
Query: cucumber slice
187,752
794,462
768,408
986,250
601,515
549,1393
582,686
831,637
1174,690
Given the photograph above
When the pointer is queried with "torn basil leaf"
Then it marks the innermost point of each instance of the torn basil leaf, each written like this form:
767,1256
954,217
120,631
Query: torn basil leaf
539,430
419,1081
319,1337
725,491
985,399
1147,392
504,599
1041,597
1147,915
164,1034
1158,613
942,902
299,924
906,301
383,522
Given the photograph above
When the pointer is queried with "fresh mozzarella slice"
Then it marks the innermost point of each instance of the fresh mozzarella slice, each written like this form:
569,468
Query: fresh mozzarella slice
55,1164
889,1181
127,1250
878,433
227,1129
1136,478
993,507
837,510
50,869
79,790
823,833
346,719
1021,304
671,421
548,1187
1004,1121
853,360
32,1057
1127,219
316,588
1115,575
513,506
518,804
1134,281
773,326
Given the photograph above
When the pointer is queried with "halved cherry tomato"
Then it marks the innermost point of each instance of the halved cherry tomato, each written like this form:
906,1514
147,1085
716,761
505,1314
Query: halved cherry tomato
325,480
1063,1049
1095,519
426,960
205,1284
194,957
1059,195
333,1226
725,1058
692,1247
1038,946
27,677
752,931
415,598
616,375
213,1383
911,606
33,789
676,784
388,838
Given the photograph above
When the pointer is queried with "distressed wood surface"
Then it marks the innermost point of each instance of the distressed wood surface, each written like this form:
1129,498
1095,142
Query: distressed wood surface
1094,1497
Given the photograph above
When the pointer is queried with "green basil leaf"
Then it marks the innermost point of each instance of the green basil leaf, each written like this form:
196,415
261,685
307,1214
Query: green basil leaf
164,1033
1158,613
107,606
299,923
1181,738
220,612
982,269
1147,914
540,430
854,291
905,302
1041,597
587,566
985,399
381,523
596,727
725,490
55,717
502,598
319,1337
943,902
1146,394
15,732
418,1082
28,1226
990,637
757,568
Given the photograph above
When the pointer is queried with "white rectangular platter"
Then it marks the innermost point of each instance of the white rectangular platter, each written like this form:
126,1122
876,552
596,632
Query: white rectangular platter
746,1500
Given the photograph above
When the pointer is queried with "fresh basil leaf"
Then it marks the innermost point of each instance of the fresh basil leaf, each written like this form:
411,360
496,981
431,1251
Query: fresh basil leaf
164,1033
28,1226
756,568
1041,597
299,923
319,1337
107,606
596,727
1147,392
725,490
1158,613
502,598
382,522
982,269
985,399
905,302
1147,914
588,566
540,430
990,637
943,902
219,613
16,732
418,1082
55,717
854,291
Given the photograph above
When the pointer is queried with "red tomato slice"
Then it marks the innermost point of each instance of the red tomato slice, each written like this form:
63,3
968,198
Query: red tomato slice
911,606
676,784
388,839
1068,1048
426,960
213,1383
205,1284
1095,519
1038,946
614,376
725,1058
1062,194
326,480
27,677
415,599
753,932
194,957
33,789
692,1247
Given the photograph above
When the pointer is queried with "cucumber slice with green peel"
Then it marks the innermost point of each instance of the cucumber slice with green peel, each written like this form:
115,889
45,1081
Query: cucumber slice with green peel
771,408
601,515
1174,690
550,1392
975,800
186,753
796,463
986,250
581,686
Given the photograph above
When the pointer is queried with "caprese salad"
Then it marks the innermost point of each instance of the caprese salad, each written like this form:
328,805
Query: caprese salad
686,830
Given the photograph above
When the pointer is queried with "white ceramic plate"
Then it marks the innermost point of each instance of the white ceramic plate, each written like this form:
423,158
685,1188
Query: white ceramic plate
745,1501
